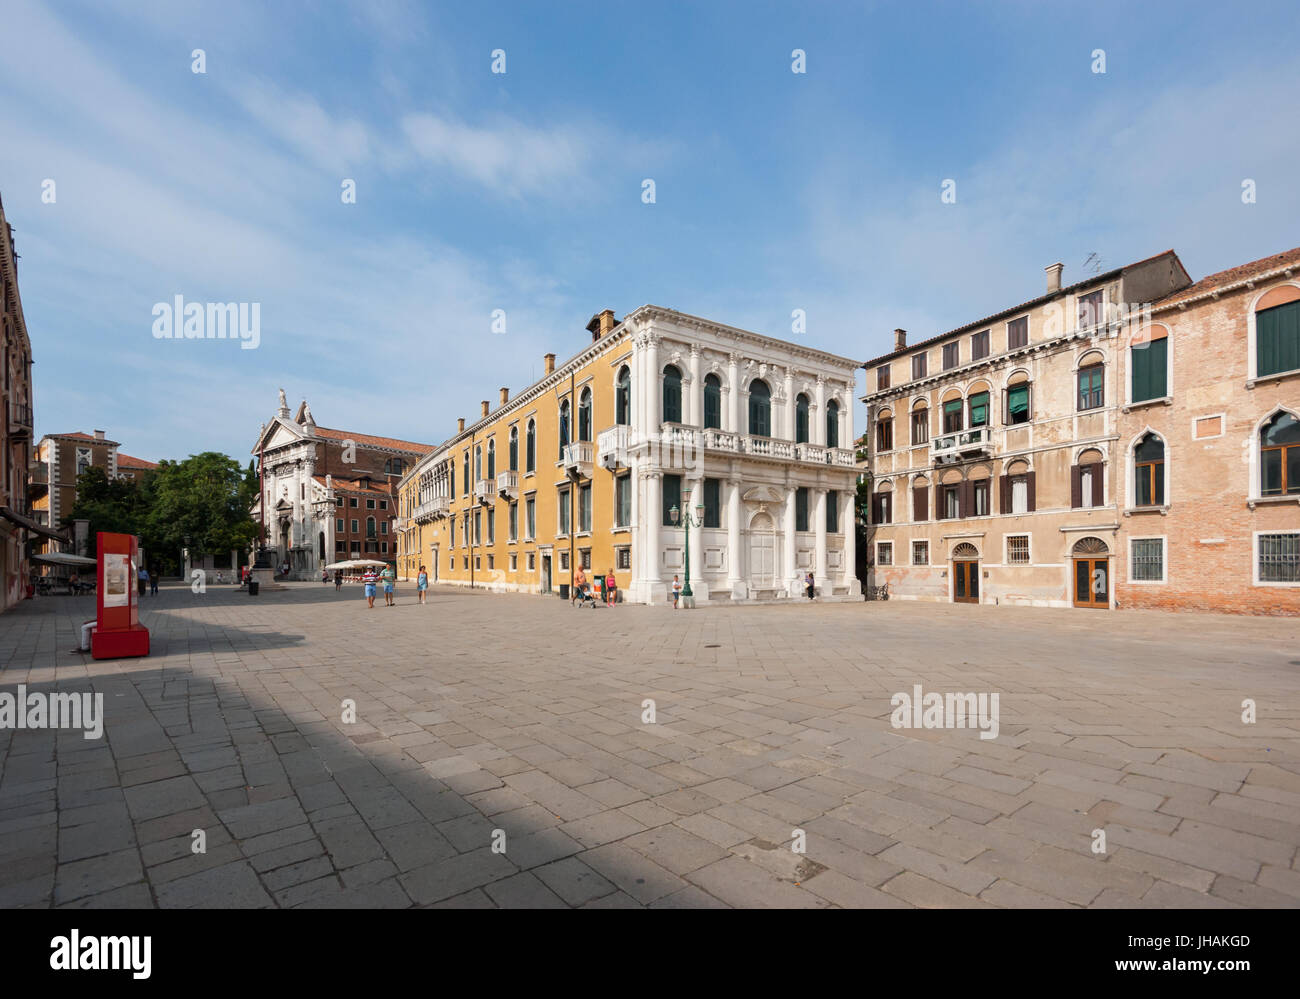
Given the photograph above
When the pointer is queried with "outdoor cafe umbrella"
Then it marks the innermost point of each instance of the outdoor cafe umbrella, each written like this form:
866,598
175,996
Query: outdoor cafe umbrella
356,563
63,558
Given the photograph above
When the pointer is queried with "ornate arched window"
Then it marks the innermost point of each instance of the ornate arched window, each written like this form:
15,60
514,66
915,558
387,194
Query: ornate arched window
623,397
514,449
530,447
492,459
760,409
1279,456
672,394
801,419
832,424
564,426
1149,471
965,552
478,463
712,402
584,415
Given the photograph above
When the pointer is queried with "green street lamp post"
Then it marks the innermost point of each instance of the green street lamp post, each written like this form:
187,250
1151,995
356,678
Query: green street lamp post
688,596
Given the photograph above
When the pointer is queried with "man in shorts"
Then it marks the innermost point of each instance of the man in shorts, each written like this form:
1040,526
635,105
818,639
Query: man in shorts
390,581
370,578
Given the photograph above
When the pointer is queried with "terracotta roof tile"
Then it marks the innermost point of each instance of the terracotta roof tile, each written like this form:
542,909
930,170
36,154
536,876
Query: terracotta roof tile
126,461
388,442
1231,276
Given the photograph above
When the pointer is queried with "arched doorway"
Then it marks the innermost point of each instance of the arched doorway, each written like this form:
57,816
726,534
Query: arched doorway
965,574
1091,573
762,552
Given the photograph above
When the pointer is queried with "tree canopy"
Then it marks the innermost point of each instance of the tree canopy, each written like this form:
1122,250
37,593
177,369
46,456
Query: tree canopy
200,503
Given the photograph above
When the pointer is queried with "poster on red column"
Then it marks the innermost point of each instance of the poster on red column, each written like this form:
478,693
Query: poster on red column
118,632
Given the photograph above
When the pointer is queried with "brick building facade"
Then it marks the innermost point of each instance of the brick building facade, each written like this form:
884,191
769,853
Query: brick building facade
1210,446
1123,442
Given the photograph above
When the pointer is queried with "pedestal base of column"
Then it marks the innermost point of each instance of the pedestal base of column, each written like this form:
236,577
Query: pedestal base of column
739,589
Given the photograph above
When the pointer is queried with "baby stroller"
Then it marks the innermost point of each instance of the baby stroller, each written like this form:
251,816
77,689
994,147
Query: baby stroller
586,598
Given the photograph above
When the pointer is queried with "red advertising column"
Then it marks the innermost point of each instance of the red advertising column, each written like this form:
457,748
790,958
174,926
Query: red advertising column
118,632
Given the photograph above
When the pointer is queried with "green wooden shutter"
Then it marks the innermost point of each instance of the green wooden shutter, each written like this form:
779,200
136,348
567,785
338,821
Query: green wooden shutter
1277,339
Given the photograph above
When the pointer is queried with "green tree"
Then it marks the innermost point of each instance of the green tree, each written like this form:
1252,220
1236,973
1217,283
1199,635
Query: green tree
112,505
200,503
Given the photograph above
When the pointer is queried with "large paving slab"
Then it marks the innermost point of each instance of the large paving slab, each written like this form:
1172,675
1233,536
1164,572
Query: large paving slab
497,750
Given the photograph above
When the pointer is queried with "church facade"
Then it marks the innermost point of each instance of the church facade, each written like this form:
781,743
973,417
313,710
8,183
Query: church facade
326,495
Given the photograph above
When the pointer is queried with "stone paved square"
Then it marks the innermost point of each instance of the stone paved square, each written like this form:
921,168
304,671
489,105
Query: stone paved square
483,719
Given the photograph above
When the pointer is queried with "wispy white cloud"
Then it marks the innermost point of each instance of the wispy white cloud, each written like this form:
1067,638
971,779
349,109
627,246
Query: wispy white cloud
506,155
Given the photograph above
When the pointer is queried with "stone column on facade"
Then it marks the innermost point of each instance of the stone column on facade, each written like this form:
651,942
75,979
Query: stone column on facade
653,556
790,408
849,526
695,411
309,515
789,568
733,393
637,531
637,416
817,432
653,389
819,512
734,580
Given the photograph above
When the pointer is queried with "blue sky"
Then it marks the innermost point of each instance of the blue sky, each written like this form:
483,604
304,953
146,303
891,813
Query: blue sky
477,191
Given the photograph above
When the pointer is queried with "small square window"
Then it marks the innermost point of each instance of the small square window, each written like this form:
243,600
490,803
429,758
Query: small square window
1148,560
514,561
884,553
918,366
920,553
979,345
370,504
532,562
352,501
564,561
624,558
584,557
951,355
882,377
1018,549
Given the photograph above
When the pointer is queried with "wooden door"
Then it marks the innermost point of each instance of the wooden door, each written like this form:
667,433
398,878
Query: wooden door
1092,582
966,582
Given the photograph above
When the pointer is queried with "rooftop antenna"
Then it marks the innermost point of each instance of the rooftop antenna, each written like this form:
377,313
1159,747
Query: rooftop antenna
1092,265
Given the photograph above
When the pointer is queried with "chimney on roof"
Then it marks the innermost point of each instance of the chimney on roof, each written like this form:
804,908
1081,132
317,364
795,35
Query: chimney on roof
550,363
485,409
900,339
505,396
601,323
460,425
99,435
1054,277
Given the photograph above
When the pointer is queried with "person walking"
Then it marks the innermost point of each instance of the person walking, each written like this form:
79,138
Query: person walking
370,578
611,585
338,580
142,579
808,583
153,582
390,579
677,591
579,584
422,582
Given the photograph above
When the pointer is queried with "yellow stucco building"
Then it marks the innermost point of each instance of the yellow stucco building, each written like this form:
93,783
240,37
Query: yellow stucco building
658,415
